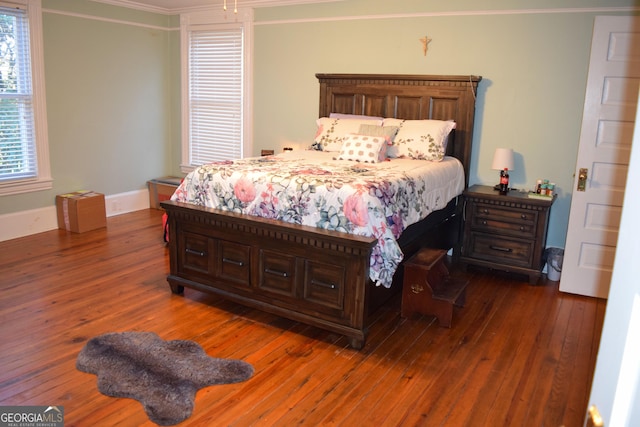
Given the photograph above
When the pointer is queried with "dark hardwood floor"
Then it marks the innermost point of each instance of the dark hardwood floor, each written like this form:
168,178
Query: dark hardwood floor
517,355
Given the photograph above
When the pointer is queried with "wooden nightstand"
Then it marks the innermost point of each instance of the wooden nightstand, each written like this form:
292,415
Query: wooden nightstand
505,232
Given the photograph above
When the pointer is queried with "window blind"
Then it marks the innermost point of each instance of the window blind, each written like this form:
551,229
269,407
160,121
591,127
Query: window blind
18,154
215,94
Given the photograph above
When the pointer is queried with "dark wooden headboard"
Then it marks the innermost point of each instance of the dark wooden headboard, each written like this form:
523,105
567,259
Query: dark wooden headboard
411,97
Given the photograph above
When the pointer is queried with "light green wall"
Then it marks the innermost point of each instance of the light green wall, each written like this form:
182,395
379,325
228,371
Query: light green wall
109,88
113,82
533,58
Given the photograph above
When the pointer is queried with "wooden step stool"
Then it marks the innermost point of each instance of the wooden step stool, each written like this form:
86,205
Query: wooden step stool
429,289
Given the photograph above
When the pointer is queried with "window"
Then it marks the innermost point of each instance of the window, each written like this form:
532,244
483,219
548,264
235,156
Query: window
24,157
215,87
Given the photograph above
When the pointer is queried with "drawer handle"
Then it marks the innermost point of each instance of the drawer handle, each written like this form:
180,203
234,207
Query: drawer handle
484,222
485,211
194,252
276,272
233,261
500,248
523,216
522,228
416,288
323,284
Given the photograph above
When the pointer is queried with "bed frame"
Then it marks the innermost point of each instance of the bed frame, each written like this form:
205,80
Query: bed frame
306,274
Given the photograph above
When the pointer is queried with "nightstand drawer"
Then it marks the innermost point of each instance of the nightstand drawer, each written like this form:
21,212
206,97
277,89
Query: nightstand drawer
513,222
500,250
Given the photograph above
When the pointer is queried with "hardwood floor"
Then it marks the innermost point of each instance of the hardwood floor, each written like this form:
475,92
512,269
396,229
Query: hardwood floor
517,355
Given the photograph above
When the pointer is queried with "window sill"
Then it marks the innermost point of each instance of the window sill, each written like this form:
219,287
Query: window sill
25,186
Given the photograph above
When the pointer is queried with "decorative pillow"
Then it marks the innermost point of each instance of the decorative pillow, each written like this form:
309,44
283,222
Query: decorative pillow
363,148
331,132
388,132
420,139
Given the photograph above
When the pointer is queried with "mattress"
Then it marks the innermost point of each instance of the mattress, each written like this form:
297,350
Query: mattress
311,188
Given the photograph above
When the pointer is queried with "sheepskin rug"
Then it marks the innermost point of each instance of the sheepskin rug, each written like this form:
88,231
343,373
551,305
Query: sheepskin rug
162,375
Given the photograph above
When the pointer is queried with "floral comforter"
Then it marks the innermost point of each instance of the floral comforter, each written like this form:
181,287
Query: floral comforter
310,188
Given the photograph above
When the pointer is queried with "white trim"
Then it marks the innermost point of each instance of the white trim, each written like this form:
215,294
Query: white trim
109,20
18,4
130,201
184,92
216,16
248,89
21,186
39,99
187,20
217,6
126,4
43,180
273,3
135,5
25,223
597,10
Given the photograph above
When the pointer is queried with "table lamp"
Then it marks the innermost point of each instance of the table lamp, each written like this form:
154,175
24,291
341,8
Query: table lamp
502,159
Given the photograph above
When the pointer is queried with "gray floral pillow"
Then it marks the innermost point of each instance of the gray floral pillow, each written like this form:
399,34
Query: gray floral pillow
332,131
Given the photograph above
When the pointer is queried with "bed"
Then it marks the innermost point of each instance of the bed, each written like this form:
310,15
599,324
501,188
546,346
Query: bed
329,270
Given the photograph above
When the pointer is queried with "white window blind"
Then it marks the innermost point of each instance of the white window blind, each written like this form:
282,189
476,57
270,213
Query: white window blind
18,154
216,94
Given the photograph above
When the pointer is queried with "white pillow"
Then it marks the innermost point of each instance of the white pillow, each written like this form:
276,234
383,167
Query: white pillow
420,139
363,148
331,131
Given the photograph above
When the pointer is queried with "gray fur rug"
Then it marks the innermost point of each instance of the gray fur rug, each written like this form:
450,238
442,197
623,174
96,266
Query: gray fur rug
162,375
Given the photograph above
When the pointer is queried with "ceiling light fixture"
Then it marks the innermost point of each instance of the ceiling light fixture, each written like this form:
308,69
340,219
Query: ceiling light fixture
235,6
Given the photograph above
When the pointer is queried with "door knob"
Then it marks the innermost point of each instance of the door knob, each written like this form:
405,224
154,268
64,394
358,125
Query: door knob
593,417
582,179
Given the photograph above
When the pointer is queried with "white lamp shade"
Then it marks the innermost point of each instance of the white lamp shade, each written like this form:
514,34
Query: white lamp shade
503,159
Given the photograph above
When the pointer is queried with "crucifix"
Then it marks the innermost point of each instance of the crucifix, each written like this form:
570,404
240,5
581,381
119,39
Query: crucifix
425,44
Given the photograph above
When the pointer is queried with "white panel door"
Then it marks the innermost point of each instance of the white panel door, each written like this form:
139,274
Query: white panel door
615,389
605,143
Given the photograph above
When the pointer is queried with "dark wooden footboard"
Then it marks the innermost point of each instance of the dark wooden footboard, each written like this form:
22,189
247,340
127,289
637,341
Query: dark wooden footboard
302,273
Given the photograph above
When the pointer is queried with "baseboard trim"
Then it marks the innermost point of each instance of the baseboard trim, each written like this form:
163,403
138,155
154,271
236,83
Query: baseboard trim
26,223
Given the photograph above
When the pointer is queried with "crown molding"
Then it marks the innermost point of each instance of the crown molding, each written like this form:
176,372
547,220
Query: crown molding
214,4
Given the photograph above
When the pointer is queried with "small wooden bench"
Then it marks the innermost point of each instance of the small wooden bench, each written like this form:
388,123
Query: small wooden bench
429,289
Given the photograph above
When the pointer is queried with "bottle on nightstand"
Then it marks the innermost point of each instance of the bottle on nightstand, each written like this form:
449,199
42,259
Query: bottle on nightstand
504,181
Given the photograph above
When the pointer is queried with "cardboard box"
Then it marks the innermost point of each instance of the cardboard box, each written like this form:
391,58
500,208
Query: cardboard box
81,211
161,189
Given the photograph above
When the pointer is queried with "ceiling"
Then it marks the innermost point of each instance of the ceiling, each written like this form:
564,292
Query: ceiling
177,6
